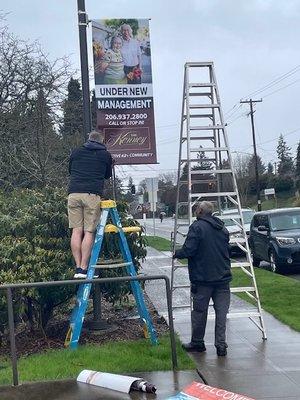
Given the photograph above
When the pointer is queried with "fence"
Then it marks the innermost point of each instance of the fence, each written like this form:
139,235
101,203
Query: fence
9,293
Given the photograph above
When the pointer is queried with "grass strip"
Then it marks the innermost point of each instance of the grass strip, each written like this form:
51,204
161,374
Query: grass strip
115,357
159,243
279,295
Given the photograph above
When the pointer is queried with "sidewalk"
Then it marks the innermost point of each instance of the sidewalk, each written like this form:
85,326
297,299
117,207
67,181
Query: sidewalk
253,367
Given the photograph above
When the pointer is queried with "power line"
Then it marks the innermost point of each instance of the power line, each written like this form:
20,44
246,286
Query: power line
275,81
283,87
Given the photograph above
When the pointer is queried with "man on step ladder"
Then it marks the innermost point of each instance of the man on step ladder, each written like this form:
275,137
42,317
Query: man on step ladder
89,166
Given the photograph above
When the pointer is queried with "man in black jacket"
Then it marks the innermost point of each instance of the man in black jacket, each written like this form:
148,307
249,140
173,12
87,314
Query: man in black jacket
207,249
89,165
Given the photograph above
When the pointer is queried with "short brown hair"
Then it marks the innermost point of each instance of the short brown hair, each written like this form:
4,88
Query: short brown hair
96,136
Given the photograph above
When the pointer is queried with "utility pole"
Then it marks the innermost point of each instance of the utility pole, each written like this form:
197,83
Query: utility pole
82,25
254,149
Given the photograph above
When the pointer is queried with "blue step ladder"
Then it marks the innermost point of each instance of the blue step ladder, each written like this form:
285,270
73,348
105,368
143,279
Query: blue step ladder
109,209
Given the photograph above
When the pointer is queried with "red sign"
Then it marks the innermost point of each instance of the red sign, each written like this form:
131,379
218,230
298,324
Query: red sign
200,391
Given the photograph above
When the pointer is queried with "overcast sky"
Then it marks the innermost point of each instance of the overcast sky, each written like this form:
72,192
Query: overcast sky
252,43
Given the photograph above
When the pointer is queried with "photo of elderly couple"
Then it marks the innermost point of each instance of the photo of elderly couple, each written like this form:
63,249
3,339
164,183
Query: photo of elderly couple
121,51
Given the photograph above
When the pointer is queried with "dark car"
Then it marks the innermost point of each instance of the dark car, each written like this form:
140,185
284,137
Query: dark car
275,237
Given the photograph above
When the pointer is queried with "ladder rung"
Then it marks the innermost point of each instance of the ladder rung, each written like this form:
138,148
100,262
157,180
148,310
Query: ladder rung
210,149
242,289
204,106
200,138
228,216
199,116
183,224
198,160
214,194
211,171
200,94
206,128
181,287
194,181
243,314
240,264
201,85
104,266
182,306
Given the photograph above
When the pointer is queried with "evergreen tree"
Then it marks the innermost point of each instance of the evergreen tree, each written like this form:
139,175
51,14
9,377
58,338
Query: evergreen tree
72,127
270,168
260,166
285,165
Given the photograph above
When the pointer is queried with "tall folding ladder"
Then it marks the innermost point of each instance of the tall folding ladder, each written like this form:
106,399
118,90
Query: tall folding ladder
205,172
108,210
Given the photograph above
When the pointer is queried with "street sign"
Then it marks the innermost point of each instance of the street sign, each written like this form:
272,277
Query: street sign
269,192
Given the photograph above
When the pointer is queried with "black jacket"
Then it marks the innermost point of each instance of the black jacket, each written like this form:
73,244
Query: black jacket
89,165
207,249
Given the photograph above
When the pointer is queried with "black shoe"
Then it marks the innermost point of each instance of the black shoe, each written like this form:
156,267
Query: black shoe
221,351
194,347
80,273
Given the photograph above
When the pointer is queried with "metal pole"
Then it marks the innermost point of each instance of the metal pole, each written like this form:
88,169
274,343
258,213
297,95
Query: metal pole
255,155
255,152
12,340
153,213
114,182
82,25
171,324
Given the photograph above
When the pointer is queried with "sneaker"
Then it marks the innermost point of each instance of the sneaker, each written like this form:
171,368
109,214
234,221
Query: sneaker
200,348
80,273
221,351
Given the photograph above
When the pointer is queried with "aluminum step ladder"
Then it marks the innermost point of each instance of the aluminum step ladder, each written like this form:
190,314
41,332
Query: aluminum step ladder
205,172
108,210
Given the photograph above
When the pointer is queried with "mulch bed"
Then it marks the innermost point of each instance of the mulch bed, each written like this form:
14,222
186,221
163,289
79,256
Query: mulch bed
126,320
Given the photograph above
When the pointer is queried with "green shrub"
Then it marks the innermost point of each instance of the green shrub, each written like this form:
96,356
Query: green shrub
35,247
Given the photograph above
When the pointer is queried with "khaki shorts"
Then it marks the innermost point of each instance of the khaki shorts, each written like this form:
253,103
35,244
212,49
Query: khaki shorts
84,211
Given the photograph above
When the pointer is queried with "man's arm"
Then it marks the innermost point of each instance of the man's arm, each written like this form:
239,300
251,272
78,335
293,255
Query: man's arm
70,162
190,246
108,172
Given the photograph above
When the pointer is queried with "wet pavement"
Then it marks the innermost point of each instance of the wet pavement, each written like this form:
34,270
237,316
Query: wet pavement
259,369
168,383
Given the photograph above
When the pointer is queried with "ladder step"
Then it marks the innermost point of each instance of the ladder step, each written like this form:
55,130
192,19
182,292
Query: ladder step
240,264
200,94
242,289
184,160
181,287
209,149
200,138
182,306
193,106
194,181
108,266
206,128
202,85
198,116
214,194
211,171
228,216
241,314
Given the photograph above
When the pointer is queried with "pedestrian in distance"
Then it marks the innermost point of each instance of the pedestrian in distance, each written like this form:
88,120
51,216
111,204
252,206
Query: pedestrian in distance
207,249
161,217
89,166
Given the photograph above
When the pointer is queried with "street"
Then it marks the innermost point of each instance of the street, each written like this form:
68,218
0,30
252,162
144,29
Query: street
164,229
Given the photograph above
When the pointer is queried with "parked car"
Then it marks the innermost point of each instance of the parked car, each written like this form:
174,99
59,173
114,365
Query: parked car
235,233
275,237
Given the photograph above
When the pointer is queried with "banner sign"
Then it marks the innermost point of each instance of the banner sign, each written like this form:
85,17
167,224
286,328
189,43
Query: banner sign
200,391
123,89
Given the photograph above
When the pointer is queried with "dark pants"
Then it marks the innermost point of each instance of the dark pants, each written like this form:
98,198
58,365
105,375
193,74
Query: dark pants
200,301
131,81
